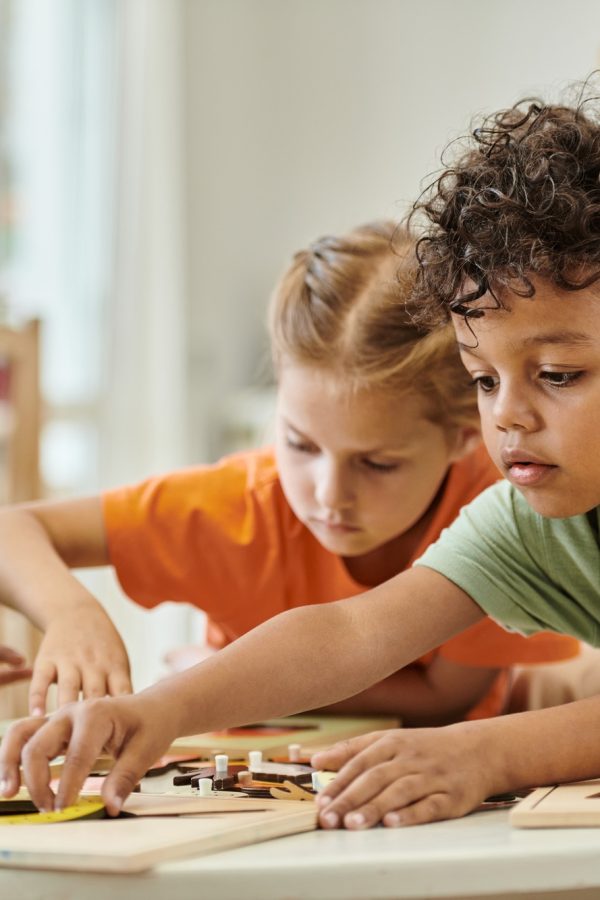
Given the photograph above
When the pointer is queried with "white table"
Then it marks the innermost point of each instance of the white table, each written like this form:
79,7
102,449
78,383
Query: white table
480,855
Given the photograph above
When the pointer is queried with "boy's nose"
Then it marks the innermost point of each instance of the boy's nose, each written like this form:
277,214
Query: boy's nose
513,409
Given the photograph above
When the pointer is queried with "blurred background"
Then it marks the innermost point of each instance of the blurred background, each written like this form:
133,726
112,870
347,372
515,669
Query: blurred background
160,161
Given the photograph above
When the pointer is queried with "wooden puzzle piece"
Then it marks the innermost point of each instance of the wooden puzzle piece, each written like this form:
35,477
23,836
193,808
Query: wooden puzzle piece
560,806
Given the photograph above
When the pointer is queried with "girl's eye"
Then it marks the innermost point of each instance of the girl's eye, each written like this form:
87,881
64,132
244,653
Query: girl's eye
378,466
300,446
487,383
561,379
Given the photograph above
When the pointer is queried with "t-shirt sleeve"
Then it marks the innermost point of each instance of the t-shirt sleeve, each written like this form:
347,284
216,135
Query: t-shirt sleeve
197,536
498,552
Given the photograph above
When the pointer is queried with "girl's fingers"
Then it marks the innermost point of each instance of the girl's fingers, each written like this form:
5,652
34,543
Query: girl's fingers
69,685
8,676
44,674
119,683
94,684
10,656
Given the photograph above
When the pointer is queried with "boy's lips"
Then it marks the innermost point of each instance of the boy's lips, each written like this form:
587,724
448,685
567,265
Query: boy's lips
525,469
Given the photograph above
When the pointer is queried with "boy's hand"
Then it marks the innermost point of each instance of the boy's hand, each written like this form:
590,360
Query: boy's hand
406,776
83,653
17,670
132,729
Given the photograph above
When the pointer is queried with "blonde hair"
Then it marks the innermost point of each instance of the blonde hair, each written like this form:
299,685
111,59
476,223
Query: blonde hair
345,304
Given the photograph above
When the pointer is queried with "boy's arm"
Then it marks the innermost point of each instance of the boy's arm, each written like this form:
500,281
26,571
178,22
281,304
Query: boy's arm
436,694
414,776
309,656
81,650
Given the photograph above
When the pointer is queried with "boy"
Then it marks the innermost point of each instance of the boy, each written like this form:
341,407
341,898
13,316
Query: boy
513,258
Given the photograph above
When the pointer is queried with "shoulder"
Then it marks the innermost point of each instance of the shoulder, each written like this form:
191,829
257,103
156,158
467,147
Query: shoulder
233,479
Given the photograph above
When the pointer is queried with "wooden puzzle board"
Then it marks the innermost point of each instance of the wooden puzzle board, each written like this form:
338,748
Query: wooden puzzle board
133,845
560,806
311,732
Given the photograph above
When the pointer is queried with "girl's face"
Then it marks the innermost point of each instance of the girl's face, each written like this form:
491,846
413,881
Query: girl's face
358,468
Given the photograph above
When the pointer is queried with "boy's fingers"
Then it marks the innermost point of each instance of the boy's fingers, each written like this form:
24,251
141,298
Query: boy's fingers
369,798
13,743
359,761
126,774
10,675
86,742
49,741
339,754
44,674
430,809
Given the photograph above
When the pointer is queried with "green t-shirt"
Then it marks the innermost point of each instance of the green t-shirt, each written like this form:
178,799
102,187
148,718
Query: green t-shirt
528,572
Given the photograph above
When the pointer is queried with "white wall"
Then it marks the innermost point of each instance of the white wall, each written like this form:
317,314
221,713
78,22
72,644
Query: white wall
309,116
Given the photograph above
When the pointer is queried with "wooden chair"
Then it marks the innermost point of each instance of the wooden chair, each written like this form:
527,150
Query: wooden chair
20,418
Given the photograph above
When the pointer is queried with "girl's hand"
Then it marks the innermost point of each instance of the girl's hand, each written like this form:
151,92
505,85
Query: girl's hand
407,776
17,670
83,653
135,730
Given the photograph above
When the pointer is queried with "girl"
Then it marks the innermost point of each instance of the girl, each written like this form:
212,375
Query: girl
377,449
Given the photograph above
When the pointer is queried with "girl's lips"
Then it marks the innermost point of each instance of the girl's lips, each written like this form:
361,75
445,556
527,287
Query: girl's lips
528,474
337,527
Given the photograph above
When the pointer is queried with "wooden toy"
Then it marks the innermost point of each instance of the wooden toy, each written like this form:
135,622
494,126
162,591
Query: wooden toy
163,828
274,736
560,806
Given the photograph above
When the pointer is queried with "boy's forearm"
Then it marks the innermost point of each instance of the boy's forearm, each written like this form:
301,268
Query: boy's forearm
284,666
541,747
306,657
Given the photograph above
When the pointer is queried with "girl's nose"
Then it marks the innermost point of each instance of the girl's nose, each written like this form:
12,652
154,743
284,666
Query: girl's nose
333,490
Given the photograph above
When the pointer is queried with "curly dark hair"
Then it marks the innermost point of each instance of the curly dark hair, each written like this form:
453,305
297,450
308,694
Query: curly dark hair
522,200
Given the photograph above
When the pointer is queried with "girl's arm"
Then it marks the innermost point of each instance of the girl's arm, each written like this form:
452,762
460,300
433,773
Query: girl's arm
436,694
81,649
12,666
306,657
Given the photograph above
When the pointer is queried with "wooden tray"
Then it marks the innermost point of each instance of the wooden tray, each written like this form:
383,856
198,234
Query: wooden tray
560,806
132,845
311,732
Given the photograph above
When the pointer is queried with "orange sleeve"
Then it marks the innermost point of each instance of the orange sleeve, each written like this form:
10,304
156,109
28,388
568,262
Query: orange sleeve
206,536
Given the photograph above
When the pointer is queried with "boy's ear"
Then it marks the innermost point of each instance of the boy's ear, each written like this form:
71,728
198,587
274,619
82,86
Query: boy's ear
465,440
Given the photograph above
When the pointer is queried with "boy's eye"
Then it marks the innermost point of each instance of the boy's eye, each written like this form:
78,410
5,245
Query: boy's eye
561,379
487,383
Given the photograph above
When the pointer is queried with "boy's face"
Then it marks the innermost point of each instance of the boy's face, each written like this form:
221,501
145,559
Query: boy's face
357,468
537,368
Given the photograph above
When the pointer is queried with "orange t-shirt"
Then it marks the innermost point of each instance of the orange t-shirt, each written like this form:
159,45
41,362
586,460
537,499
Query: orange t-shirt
224,538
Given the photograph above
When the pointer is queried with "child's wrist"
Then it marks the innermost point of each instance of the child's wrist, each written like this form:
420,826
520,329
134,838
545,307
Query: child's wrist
491,749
